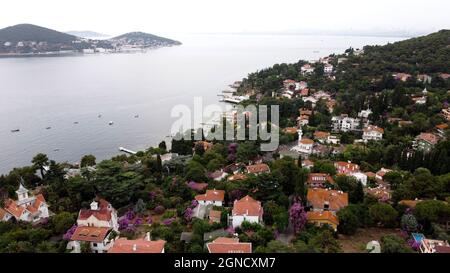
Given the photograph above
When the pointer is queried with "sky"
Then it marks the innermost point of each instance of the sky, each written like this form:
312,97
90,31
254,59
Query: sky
229,16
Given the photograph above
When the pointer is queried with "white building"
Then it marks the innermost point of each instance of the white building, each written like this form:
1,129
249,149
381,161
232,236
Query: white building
307,69
365,113
97,226
372,132
246,209
328,68
100,239
211,197
304,145
344,123
310,99
26,208
101,214
361,177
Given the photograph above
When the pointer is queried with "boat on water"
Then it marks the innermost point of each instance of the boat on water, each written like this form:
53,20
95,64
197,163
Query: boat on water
111,123
56,150
15,130
136,116
48,128
99,116
76,122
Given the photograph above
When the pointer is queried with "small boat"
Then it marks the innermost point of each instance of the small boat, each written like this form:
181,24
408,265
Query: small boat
99,116
56,150
111,123
76,122
48,128
136,116
15,130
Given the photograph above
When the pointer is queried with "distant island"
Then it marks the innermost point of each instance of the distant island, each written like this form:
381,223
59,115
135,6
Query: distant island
87,34
32,40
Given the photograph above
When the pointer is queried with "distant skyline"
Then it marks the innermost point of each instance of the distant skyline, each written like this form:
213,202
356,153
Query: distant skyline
232,16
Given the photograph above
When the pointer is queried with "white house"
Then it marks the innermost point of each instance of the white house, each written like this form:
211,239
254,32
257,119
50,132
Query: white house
365,113
328,68
310,99
246,209
307,69
26,208
211,197
344,123
372,132
101,214
361,177
100,239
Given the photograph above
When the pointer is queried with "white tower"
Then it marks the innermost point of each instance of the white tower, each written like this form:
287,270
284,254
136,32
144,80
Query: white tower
22,193
300,134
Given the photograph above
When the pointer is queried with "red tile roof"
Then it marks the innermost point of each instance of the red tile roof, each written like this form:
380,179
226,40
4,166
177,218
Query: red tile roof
373,128
346,167
247,206
322,216
211,195
228,245
123,245
428,137
307,141
90,234
321,135
12,207
258,168
335,199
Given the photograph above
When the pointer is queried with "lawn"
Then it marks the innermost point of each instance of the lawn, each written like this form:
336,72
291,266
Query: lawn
357,243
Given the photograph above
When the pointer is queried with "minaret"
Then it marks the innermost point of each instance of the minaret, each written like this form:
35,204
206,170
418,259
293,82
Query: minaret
94,205
300,134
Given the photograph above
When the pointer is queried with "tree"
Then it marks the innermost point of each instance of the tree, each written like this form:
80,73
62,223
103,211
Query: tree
394,244
39,162
246,151
324,242
348,221
383,214
62,221
162,145
430,211
409,222
140,206
87,160
297,216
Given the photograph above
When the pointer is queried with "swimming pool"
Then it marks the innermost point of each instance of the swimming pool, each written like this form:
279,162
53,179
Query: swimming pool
418,237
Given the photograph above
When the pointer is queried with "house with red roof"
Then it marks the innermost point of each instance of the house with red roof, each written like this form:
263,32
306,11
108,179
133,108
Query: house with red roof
326,200
228,245
246,209
346,168
372,132
100,214
211,197
321,218
142,245
26,208
319,180
100,239
97,226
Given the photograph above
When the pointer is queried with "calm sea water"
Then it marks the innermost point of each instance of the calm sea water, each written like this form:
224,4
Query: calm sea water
36,93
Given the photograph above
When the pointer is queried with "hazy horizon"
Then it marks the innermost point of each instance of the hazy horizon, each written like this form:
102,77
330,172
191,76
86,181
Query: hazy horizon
233,16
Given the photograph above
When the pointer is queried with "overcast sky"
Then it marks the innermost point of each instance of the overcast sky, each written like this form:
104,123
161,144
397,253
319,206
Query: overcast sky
196,16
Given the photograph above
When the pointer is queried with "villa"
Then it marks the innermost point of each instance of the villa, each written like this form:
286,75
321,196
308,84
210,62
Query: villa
246,209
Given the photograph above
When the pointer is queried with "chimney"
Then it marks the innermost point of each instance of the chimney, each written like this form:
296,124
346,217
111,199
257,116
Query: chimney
134,247
148,237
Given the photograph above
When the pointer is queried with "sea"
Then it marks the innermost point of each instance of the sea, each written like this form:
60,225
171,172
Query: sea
70,106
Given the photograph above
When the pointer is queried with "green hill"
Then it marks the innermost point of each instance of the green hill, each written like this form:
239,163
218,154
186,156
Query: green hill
144,39
427,54
28,32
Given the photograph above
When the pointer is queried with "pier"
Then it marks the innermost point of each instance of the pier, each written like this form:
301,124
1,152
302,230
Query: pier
122,149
